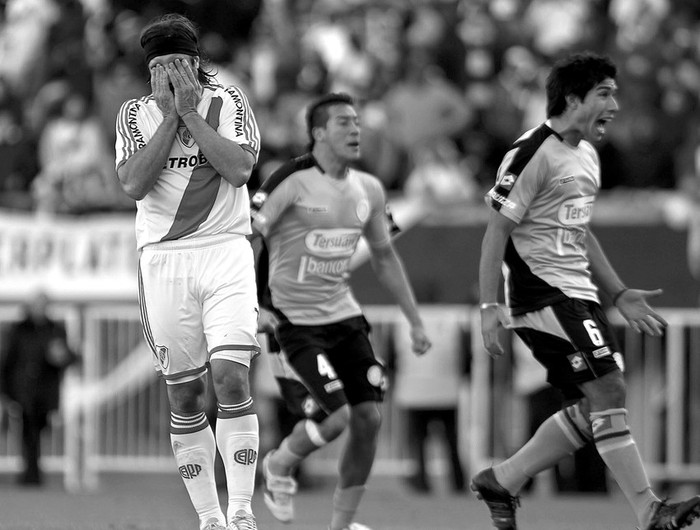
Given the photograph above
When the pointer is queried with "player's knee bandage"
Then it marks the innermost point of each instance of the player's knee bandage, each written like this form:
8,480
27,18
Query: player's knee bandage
610,429
575,425
314,434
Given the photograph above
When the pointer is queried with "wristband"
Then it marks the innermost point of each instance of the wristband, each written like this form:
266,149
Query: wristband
618,295
486,305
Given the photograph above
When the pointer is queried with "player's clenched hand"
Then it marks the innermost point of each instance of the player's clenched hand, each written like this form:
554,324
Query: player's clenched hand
186,86
419,340
633,306
160,84
267,321
491,325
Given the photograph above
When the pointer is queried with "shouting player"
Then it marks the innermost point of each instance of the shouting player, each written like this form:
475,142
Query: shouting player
541,207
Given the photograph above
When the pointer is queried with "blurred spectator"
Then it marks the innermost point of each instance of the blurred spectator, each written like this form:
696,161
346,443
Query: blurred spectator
424,104
427,389
76,167
440,173
66,52
466,70
34,359
23,43
17,153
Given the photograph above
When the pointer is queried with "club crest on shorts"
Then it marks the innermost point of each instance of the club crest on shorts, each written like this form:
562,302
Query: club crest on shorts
163,356
375,376
309,406
185,136
577,362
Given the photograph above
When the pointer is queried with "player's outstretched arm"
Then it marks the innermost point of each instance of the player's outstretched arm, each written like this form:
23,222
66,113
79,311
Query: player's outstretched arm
390,272
632,303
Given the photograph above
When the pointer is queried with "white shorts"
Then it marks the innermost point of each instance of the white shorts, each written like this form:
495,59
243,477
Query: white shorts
198,300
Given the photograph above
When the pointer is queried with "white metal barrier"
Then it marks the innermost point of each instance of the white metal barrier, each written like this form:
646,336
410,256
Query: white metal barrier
115,414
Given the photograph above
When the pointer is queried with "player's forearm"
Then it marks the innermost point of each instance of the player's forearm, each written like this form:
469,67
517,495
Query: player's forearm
491,261
601,268
230,160
140,172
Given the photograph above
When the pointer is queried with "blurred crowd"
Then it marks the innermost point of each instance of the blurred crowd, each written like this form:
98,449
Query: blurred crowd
444,86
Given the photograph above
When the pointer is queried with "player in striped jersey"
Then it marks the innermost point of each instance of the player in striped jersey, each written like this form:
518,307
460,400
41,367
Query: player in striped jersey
312,213
538,229
185,154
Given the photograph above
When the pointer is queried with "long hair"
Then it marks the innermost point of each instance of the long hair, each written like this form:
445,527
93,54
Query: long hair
577,74
176,24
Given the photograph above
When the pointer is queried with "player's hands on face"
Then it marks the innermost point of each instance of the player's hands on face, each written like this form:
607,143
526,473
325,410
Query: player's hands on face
419,340
491,324
160,85
267,321
188,90
633,306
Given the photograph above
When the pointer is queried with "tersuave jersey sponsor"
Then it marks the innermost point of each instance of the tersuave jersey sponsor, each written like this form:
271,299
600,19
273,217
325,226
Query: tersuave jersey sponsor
548,188
312,224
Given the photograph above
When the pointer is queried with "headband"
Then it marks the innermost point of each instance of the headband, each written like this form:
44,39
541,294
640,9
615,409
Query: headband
166,44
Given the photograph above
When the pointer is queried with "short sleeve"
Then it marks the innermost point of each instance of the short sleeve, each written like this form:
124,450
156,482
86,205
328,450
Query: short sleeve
130,135
238,122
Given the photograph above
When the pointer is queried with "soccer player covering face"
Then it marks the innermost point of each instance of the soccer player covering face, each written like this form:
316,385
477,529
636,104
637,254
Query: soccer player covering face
541,207
312,212
185,153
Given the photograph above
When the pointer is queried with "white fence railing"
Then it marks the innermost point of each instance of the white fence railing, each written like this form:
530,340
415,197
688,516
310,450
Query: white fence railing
114,415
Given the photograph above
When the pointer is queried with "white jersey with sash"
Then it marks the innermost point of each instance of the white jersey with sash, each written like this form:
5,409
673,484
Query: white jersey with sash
312,223
190,199
548,187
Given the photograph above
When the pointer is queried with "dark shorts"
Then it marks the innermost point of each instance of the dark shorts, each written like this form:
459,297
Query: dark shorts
573,340
335,362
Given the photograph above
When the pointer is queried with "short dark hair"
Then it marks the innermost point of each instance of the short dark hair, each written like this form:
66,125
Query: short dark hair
317,112
576,74
176,24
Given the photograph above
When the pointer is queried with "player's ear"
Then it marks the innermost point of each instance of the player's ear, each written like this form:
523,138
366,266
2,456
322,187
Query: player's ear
195,62
572,101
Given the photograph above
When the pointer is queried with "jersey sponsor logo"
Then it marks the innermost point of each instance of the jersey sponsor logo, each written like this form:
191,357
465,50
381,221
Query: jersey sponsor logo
332,242
571,237
185,136
189,471
577,211
245,457
601,352
576,361
565,180
163,356
182,162
501,199
310,266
